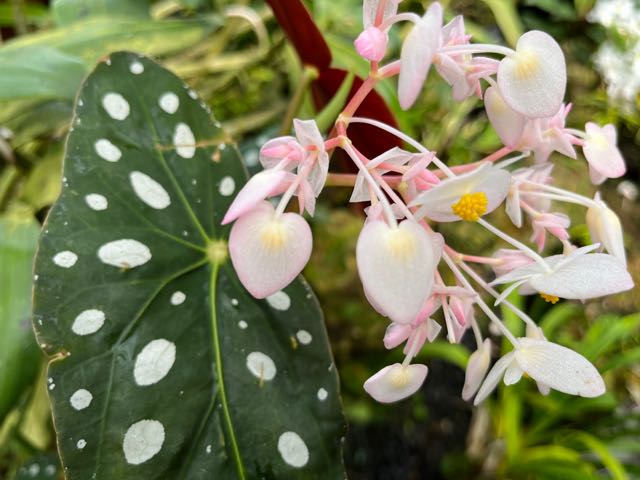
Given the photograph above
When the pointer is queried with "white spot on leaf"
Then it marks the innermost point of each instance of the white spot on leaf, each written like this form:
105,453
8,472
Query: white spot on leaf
81,444
116,106
169,102
322,394
154,362
279,301
293,449
149,191
178,298
107,150
136,68
304,337
242,324
81,399
261,366
88,322
125,253
184,141
227,186
96,201
66,259
143,441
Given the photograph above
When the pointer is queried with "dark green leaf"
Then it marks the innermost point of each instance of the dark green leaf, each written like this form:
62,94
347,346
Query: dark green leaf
163,365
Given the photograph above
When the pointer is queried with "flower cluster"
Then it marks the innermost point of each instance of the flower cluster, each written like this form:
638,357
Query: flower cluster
400,257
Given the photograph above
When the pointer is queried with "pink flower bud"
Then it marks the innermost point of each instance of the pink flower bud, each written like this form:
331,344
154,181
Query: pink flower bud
278,149
510,260
372,44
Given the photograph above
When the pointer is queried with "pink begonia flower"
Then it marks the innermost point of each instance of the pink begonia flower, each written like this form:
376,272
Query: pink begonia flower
370,10
438,202
580,275
510,260
396,157
417,53
264,184
279,149
396,382
600,150
507,123
310,138
533,81
543,136
518,191
554,223
605,228
477,368
396,266
547,363
462,309
371,44
268,252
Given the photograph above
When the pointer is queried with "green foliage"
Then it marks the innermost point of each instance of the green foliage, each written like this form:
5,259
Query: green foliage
162,364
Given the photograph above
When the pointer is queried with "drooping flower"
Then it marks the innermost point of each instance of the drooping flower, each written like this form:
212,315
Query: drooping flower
600,150
396,382
548,363
267,250
580,275
477,367
543,136
605,228
554,223
283,151
523,183
396,266
510,259
315,153
534,79
466,197
507,123
417,53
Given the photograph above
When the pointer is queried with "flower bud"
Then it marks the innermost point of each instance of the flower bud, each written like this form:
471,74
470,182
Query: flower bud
371,44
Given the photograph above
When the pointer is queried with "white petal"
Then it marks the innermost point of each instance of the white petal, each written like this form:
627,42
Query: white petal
493,378
513,374
262,185
507,123
370,8
396,382
268,253
396,266
533,81
605,228
417,54
436,203
308,134
559,368
586,276
601,152
476,369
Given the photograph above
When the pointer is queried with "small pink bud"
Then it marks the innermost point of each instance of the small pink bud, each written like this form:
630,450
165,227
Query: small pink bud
278,149
510,260
372,44
396,334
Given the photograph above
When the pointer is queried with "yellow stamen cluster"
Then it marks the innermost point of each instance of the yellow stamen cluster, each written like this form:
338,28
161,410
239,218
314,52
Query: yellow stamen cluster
471,206
401,244
400,377
273,235
549,298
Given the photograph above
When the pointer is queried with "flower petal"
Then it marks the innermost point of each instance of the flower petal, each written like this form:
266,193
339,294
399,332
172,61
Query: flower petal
605,228
493,378
396,382
559,368
601,152
533,81
370,9
309,135
396,266
417,54
507,123
396,334
476,369
267,252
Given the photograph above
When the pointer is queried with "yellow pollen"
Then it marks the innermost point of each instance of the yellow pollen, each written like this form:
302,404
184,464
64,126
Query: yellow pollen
526,64
403,188
549,298
471,206
401,244
399,377
273,235
217,251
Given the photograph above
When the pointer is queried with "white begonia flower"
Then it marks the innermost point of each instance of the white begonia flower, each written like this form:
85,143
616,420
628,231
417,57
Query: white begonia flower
466,197
519,189
311,139
397,265
549,364
602,154
396,157
605,228
533,81
578,275
477,367
417,53
395,382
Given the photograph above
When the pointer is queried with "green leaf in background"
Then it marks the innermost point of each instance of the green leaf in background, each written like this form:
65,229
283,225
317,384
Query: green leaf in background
19,355
65,12
163,366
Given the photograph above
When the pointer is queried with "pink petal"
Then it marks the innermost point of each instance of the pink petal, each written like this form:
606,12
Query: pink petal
533,81
370,9
396,334
262,185
601,152
396,382
277,149
396,266
267,252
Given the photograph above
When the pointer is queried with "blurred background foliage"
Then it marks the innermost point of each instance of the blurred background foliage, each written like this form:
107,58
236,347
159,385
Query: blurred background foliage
236,56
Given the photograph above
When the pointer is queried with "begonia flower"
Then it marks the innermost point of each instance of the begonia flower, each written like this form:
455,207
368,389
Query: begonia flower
310,138
605,228
602,154
476,370
396,382
371,44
